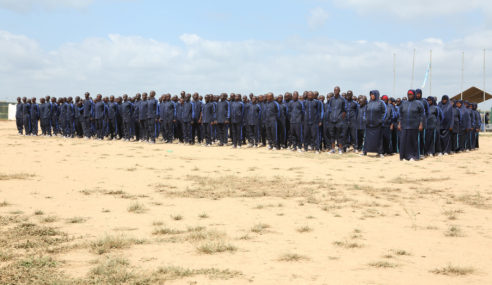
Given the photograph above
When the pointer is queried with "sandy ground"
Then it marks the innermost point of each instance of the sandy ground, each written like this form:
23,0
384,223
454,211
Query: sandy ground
288,218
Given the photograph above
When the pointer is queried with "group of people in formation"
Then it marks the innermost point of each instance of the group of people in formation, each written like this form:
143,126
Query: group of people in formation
413,126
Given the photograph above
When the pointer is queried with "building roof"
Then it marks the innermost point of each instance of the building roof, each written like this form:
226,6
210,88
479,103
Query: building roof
473,95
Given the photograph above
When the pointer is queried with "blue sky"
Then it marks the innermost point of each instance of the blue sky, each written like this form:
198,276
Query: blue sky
67,47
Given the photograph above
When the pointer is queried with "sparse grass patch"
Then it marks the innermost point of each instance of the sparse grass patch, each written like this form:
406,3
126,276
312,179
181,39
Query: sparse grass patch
203,216
452,214
137,208
4,203
347,244
177,272
15,176
454,231
383,264
16,212
290,257
476,200
76,220
401,252
177,217
215,247
49,219
304,229
109,243
38,213
260,228
166,231
157,223
453,270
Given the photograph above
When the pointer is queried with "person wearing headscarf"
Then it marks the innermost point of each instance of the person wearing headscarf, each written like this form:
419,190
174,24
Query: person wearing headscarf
374,118
418,97
465,126
455,136
394,133
388,126
446,125
410,124
433,118
360,124
478,125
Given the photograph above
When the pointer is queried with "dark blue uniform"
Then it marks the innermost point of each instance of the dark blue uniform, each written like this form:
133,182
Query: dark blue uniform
313,113
237,115
223,115
296,115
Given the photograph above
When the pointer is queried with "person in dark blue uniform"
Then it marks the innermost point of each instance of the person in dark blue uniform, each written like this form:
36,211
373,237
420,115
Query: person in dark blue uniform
223,116
207,119
374,117
34,117
45,115
152,120
18,116
237,116
296,119
411,123
336,105
313,113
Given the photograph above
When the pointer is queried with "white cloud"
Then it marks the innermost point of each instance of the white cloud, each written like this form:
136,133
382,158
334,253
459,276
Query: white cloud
317,17
28,5
120,64
413,9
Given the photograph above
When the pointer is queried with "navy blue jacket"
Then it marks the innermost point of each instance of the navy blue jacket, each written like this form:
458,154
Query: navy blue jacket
411,114
88,111
187,112
426,110
263,112
313,111
26,110
352,109
152,111
167,111
237,112
18,111
253,113
447,121
34,111
208,112
45,111
375,111
70,115
223,112
361,118
434,117
127,111
296,112
179,112
142,110
465,122
197,109
337,108
100,110
390,115
113,110
55,111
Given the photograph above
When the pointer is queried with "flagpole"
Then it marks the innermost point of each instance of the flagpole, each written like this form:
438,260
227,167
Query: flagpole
394,74
462,71
484,75
430,74
413,69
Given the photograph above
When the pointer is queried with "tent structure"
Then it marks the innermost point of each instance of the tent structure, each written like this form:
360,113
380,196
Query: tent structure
473,95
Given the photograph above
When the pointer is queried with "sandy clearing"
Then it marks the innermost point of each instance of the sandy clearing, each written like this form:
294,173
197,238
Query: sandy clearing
360,210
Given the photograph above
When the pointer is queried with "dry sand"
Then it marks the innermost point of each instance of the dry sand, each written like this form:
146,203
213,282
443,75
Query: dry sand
278,217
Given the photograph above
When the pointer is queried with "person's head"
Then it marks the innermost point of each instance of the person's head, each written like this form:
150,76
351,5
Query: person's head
53,100
33,100
430,101
87,95
24,99
254,100
321,98
207,98
280,98
269,97
295,96
310,96
350,94
392,101
251,95
106,99
418,94
385,99
29,101
144,96
42,100
374,95
48,98
445,99
195,96
336,91
181,100
223,96
411,95
125,97
362,101
152,94
118,100
330,95
245,99
261,99
18,99
458,104
188,97
111,98
237,98
69,100
182,94
98,97
137,96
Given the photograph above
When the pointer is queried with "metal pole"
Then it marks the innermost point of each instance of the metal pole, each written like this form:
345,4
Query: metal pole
430,74
484,75
413,69
394,74
462,72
